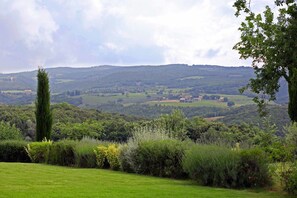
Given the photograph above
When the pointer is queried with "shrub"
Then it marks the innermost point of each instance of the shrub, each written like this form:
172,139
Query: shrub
13,151
39,151
125,152
62,153
126,156
9,132
212,165
220,166
108,156
84,153
160,158
291,137
140,134
101,153
112,155
289,179
253,170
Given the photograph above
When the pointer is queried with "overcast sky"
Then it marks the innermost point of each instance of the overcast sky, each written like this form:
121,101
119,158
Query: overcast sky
117,32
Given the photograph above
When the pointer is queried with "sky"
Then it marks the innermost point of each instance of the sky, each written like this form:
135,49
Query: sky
83,33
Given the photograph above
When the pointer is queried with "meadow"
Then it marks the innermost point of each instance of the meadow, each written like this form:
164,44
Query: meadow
39,180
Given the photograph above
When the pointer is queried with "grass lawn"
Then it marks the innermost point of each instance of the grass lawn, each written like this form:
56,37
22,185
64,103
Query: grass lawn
37,180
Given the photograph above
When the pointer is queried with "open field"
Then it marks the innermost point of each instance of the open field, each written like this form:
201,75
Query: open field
203,103
37,180
126,98
151,97
239,99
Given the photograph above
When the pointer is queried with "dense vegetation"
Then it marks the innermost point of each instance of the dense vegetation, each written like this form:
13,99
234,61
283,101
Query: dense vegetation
170,145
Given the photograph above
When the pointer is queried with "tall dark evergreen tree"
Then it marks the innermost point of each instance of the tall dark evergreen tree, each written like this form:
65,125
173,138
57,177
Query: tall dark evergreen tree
43,112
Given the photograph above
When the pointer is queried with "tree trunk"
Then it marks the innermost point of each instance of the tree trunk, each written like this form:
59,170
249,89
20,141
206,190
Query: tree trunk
292,88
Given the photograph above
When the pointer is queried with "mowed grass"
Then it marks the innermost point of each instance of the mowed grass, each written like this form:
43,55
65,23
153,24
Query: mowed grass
37,180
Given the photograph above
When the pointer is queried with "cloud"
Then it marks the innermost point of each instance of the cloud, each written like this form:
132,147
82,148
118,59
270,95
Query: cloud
125,32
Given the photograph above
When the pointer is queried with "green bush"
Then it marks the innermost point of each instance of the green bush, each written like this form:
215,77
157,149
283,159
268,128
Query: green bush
212,165
101,156
289,179
39,151
84,153
112,155
139,135
126,151
220,166
291,138
253,170
76,131
159,158
62,153
108,156
9,132
13,151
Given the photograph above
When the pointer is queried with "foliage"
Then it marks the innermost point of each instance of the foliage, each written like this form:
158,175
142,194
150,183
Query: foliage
125,156
101,156
20,116
112,156
13,151
274,146
43,112
9,132
270,41
200,130
62,153
174,124
161,158
253,170
76,131
212,165
149,132
108,156
84,153
39,151
289,179
230,103
117,130
220,166
291,137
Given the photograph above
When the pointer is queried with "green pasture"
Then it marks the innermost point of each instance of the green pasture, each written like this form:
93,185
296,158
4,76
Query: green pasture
127,98
203,103
193,78
38,180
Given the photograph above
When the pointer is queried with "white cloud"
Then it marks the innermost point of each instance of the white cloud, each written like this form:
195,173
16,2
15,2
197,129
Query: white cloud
94,32
32,21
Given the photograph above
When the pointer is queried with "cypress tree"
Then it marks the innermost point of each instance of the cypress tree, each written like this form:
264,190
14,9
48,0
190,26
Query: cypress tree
43,112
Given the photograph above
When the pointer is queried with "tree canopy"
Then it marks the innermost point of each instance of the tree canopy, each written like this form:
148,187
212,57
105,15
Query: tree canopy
269,38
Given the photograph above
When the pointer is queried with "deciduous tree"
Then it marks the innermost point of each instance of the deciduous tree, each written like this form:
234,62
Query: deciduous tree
271,41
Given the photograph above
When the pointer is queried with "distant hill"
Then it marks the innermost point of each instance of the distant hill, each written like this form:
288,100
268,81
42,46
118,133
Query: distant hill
109,79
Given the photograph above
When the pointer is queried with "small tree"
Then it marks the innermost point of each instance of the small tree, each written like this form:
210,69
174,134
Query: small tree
43,112
230,103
